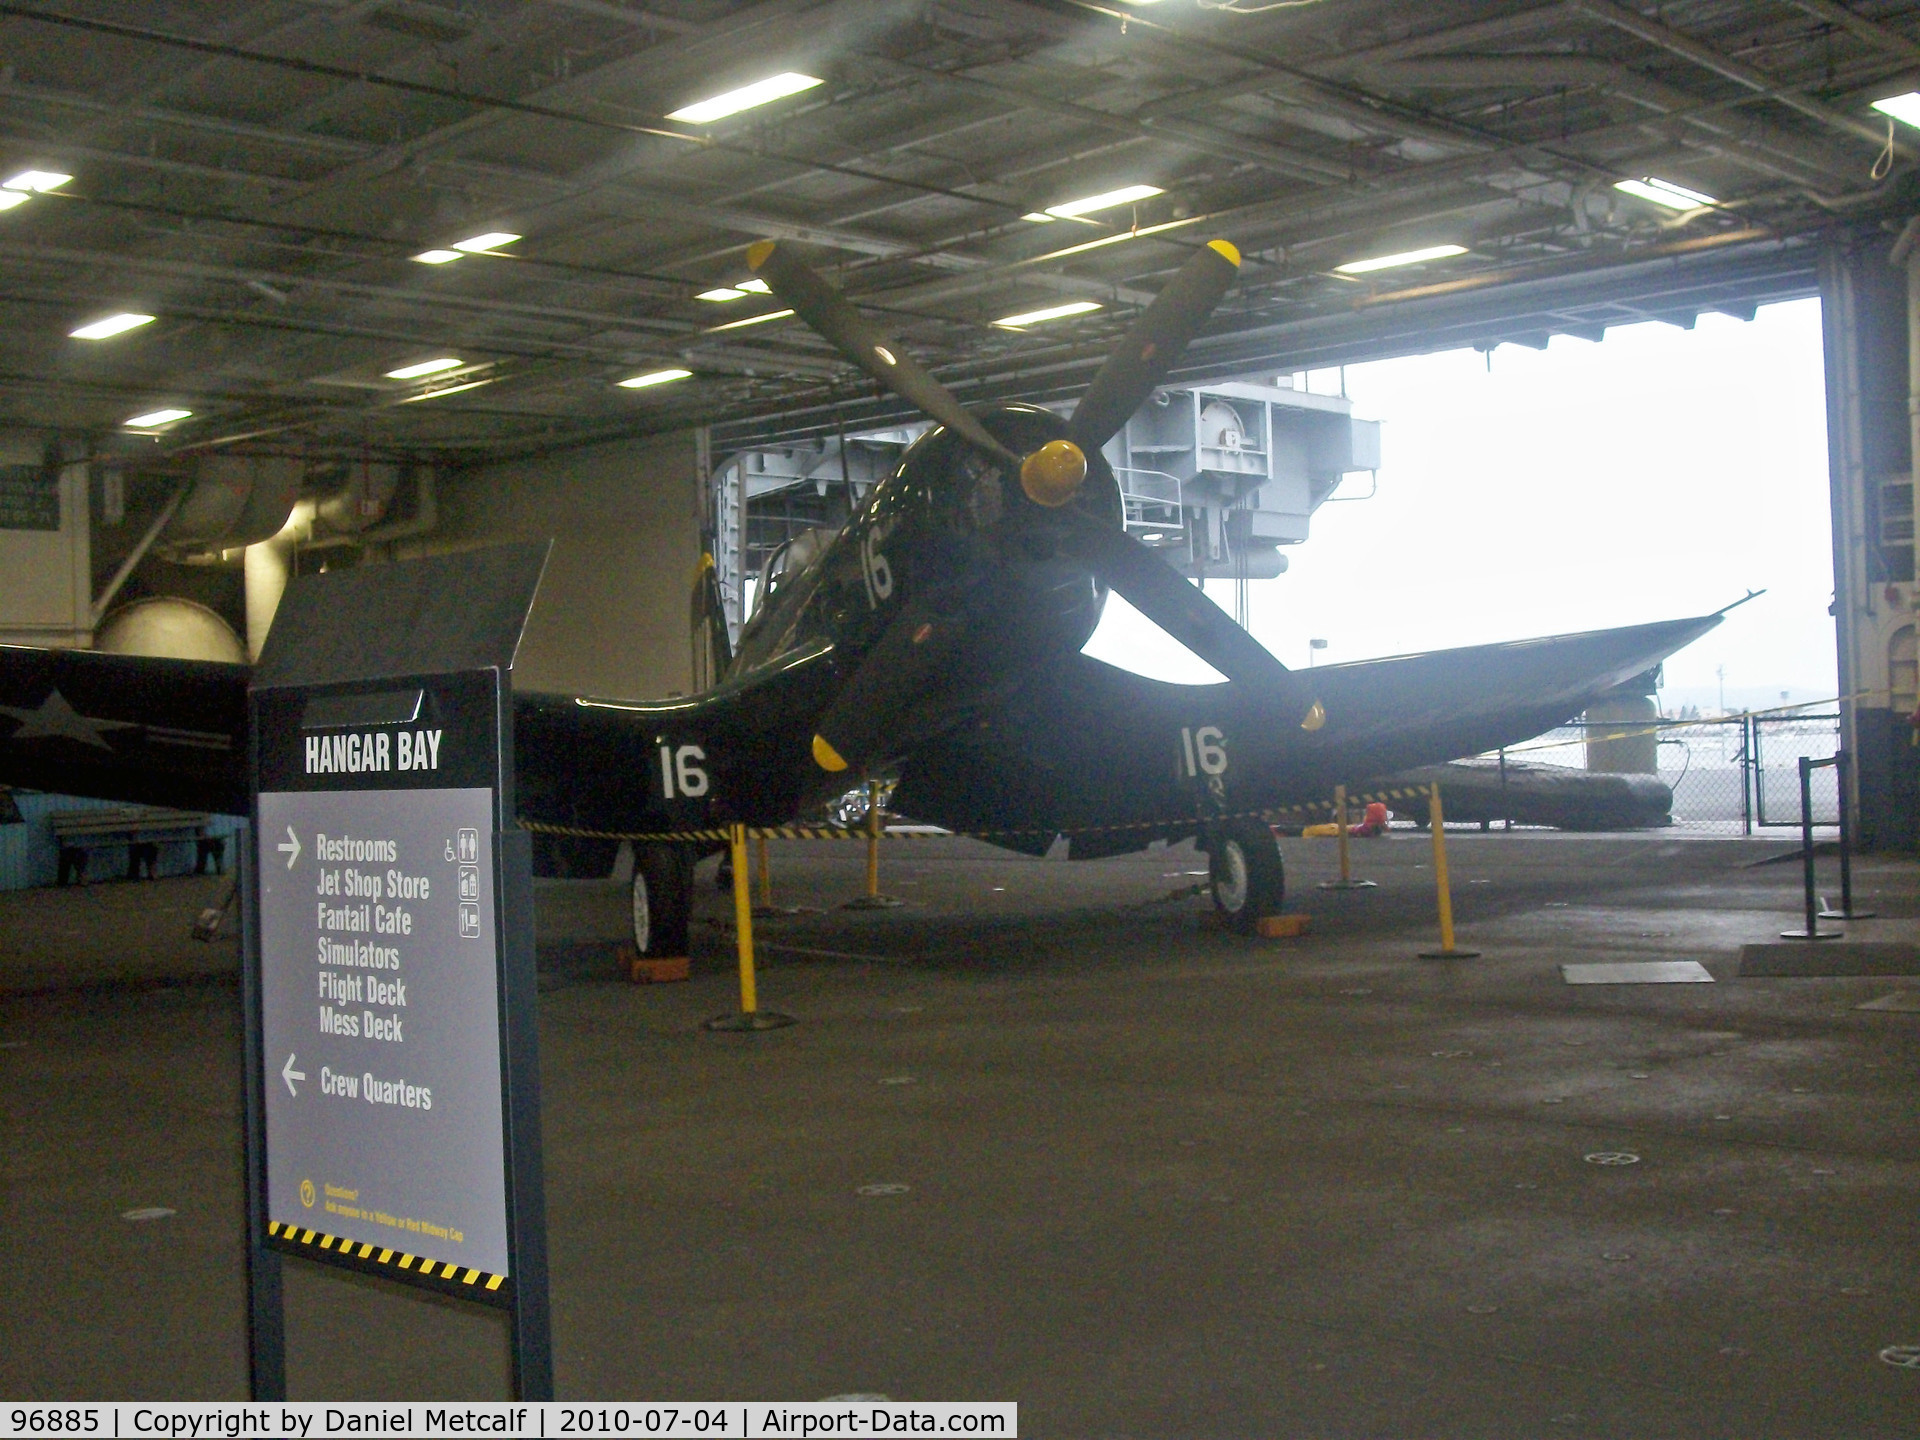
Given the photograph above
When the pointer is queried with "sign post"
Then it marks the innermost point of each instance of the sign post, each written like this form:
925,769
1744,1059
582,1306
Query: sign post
393,1078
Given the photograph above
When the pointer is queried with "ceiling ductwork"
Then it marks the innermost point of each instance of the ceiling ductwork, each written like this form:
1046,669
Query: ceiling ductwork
235,501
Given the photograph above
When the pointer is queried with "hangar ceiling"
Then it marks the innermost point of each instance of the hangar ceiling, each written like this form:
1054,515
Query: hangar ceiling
259,176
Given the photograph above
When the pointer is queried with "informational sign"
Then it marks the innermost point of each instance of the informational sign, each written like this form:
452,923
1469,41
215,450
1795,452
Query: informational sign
393,1073
29,498
381,1021
380,991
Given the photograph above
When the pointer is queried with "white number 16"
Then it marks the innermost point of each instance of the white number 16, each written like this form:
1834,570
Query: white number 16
677,769
1205,749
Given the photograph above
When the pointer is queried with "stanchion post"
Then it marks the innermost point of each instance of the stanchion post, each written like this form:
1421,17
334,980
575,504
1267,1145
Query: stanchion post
872,899
1840,778
743,921
1346,880
766,873
1843,778
1811,902
1438,825
1340,819
751,1016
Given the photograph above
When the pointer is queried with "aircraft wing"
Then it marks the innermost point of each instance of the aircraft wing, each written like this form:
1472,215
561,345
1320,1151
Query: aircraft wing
124,727
1090,748
174,732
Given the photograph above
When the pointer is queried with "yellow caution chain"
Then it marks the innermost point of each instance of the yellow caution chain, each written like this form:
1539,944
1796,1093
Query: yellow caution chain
1284,814
379,1255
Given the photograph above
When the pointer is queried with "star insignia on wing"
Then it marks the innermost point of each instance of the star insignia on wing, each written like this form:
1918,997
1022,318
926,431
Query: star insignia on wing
56,719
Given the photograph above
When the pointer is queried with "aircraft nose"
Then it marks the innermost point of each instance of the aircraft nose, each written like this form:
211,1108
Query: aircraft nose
1052,474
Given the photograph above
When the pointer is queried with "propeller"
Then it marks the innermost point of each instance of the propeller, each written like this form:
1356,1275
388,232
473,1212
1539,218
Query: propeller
1156,341
827,312
898,667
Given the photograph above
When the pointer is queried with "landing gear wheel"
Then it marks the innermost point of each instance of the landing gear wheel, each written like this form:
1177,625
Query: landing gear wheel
1248,877
662,900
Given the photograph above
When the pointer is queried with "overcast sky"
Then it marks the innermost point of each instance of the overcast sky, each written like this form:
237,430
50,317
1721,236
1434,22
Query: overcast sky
1659,473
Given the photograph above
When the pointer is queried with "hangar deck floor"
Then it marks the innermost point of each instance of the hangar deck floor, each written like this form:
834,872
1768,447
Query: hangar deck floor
1159,1179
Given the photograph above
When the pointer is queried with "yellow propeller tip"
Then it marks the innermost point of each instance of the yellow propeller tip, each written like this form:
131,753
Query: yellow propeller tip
1226,249
1052,474
758,252
826,757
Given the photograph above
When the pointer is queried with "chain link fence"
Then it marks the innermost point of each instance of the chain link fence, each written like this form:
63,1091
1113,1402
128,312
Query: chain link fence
1729,776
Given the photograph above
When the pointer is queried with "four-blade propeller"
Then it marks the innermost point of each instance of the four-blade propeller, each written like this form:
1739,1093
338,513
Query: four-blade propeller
1051,476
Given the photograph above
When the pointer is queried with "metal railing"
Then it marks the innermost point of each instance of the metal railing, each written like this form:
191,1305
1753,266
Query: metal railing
1730,774
1157,504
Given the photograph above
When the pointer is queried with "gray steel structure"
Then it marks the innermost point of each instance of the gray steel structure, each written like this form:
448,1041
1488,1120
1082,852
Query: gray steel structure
257,175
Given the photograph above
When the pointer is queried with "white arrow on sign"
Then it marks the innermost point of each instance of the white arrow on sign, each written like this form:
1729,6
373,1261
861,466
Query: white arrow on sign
289,1074
290,847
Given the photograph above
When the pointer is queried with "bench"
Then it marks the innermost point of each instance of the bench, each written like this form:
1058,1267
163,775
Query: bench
142,829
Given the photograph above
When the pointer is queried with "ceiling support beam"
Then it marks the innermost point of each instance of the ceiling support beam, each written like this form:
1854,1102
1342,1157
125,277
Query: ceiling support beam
1877,34
1727,68
1281,159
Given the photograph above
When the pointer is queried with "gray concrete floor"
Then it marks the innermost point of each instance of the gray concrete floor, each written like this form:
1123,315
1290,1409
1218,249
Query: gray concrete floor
1161,1180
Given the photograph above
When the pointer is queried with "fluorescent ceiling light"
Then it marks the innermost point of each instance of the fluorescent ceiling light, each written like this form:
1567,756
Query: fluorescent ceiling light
723,293
446,390
437,257
154,418
761,92
1052,312
751,320
111,326
1405,257
1093,203
425,367
653,377
1665,192
1904,108
11,198
480,244
36,182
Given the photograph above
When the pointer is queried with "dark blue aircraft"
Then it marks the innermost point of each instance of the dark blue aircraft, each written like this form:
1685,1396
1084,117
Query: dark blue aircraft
936,640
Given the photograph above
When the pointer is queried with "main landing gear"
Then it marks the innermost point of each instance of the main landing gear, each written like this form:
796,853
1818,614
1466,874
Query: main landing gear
662,900
1248,877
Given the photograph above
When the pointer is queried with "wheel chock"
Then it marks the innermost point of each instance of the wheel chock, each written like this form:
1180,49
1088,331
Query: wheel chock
648,970
1282,927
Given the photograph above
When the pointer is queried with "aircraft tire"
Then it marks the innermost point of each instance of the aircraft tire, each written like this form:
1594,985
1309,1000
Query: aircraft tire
662,900
1247,875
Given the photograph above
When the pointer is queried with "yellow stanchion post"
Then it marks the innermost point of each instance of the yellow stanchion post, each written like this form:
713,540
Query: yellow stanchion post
873,899
750,1016
1346,880
1340,819
1438,824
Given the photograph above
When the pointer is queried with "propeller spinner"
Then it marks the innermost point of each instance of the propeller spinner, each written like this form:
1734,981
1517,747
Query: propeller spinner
1050,475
